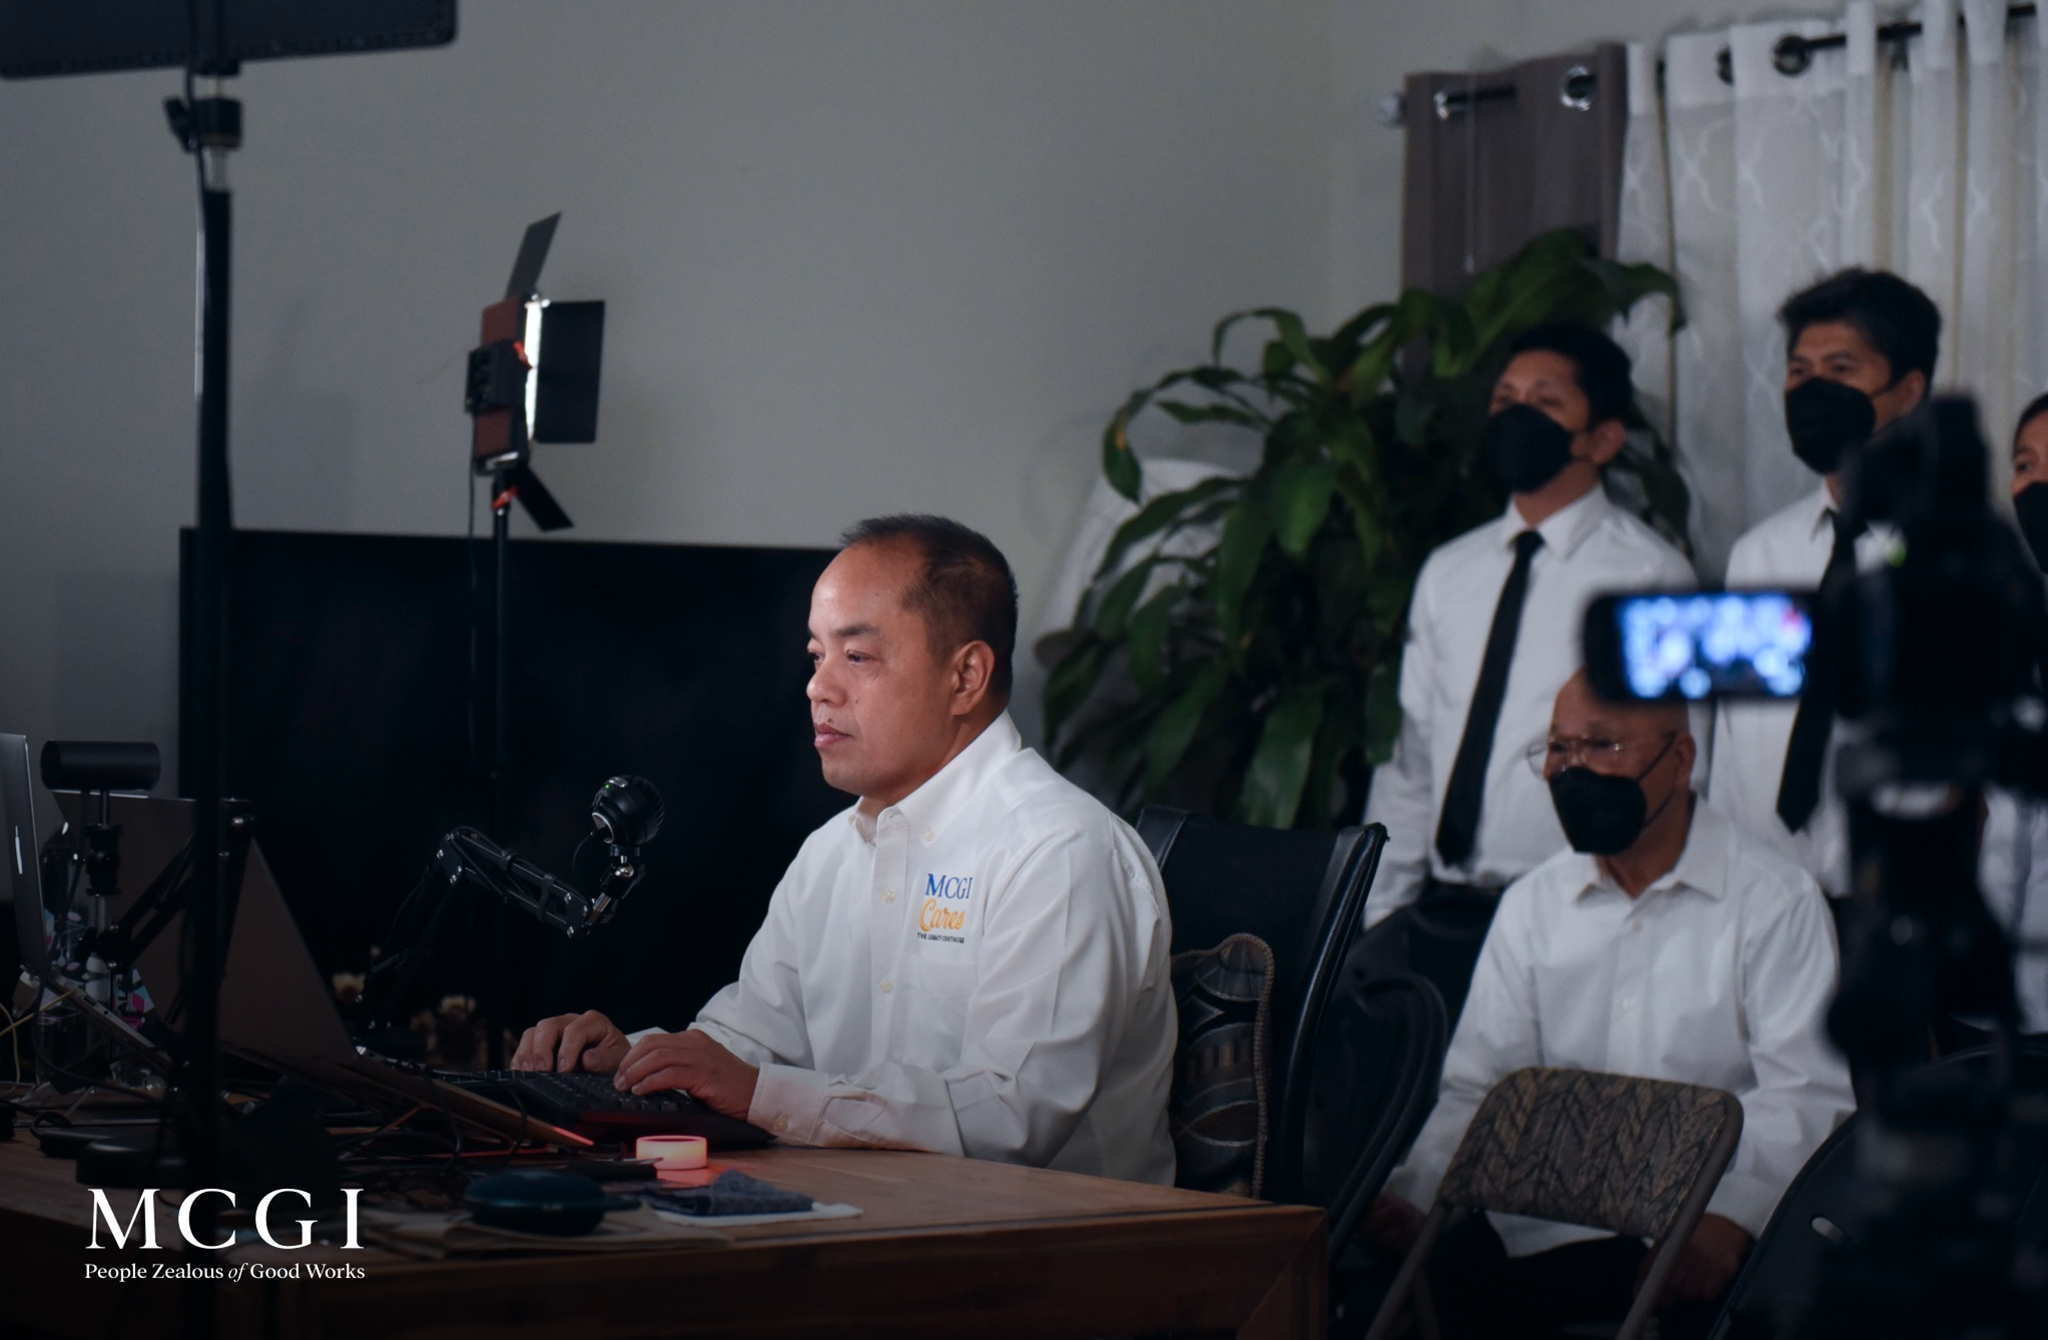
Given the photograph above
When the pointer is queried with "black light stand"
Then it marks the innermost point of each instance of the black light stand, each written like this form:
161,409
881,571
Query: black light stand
210,128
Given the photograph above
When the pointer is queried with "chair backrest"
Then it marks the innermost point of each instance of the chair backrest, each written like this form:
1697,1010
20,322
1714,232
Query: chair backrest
1776,1281
1606,1151
1818,1214
1376,1064
1303,893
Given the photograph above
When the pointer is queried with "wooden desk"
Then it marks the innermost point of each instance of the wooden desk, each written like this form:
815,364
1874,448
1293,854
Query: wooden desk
943,1247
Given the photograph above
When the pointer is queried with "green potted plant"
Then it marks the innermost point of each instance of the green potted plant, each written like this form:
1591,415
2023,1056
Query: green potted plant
1261,670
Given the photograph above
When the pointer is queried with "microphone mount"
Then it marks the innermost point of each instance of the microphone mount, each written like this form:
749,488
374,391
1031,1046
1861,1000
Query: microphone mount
466,855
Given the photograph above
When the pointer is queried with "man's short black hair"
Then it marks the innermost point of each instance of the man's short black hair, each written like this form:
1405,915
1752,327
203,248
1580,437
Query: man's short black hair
966,593
1601,367
1893,317
2034,410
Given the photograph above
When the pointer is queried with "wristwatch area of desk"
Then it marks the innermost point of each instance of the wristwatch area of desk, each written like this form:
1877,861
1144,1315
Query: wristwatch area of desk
943,1246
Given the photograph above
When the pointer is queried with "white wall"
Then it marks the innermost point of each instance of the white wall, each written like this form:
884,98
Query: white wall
860,257
864,256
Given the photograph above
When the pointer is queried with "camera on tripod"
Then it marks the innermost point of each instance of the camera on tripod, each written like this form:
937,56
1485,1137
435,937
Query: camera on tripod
1929,652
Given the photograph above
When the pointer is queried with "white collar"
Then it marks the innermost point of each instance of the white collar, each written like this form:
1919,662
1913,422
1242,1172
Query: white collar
939,799
1565,529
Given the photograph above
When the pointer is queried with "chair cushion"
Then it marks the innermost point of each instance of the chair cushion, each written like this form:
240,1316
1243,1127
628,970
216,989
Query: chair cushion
1217,1112
1606,1151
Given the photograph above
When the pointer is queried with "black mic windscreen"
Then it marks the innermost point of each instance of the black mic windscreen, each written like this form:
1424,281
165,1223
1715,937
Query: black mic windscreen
627,811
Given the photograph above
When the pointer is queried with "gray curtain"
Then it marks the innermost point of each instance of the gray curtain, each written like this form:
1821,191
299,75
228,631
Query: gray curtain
1513,153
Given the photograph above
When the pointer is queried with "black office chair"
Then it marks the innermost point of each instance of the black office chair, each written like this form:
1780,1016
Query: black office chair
1817,1215
1301,892
1373,1081
1438,938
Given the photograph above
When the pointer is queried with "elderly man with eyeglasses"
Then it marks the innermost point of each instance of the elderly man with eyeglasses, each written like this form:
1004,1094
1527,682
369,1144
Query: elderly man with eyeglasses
1663,943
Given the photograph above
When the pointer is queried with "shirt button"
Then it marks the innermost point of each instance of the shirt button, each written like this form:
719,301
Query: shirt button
888,895
1634,927
781,1124
930,836
887,986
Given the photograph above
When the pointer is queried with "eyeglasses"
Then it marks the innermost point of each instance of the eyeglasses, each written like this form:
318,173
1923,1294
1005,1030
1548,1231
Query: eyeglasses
1561,752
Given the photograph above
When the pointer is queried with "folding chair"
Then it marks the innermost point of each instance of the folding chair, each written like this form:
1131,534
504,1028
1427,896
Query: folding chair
1637,1157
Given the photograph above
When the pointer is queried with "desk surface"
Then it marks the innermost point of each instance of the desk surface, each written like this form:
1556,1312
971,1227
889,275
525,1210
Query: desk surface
942,1247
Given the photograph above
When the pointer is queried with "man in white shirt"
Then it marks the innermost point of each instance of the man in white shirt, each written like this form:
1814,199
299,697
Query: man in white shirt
1494,631
972,960
1860,351
1663,943
2013,852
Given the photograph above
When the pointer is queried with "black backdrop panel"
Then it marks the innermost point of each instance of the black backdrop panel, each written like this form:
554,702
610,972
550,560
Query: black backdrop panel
350,731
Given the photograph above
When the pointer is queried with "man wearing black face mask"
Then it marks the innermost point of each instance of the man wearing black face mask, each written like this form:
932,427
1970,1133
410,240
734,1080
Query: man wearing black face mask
2012,862
1860,352
1493,631
1666,944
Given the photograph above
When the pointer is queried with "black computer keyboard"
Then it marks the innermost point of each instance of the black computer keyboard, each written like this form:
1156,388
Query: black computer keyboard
589,1104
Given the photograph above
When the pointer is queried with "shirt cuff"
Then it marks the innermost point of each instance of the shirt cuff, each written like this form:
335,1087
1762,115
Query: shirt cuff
1746,1201
789,1102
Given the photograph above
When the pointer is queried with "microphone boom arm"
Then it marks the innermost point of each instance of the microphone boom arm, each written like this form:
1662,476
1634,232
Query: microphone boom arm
466,854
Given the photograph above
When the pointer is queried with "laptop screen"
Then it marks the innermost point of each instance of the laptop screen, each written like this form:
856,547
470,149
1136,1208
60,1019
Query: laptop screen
24,867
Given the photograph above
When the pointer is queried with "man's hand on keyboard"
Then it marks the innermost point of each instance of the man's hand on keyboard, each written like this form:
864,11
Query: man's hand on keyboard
567,1042
692,1062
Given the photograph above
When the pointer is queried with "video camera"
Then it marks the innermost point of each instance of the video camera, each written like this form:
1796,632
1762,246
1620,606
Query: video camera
1932,658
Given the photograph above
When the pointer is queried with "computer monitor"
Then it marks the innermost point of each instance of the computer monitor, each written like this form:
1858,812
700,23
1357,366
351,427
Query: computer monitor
24,866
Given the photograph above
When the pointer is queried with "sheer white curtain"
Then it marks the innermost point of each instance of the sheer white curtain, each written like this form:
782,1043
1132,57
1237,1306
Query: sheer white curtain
1921,156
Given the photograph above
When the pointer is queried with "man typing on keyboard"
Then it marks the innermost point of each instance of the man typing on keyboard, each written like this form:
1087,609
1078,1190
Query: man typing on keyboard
973,959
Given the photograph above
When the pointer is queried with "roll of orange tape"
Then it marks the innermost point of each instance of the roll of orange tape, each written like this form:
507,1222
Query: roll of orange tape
673,1153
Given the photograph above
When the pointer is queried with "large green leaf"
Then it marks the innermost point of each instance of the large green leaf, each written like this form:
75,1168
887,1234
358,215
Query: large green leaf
1186,413
1382,709
1336,739
1360,327
1158,515
1293,337
1145,637
1301,499
1115,611
1246,532
1174,730
1412,410
1119,463
1070,683
1365,521
1278,771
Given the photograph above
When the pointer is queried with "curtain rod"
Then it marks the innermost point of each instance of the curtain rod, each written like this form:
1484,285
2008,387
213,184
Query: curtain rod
1791,56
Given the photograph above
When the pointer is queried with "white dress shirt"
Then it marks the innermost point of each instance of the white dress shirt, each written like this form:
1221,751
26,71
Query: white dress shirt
1719,973
1789,548
2012,866
1589,548
980,970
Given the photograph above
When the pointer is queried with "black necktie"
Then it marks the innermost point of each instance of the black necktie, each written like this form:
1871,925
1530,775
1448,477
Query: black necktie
1799,785
1459,825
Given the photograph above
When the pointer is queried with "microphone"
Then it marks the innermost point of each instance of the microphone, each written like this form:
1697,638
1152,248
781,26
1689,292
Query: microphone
626,812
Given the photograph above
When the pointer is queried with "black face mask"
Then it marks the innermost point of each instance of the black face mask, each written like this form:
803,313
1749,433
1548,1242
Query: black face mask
1603,814
2031,508
1827,420
1526,448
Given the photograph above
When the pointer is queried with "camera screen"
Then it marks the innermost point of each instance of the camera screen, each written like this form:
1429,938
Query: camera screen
1700,644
